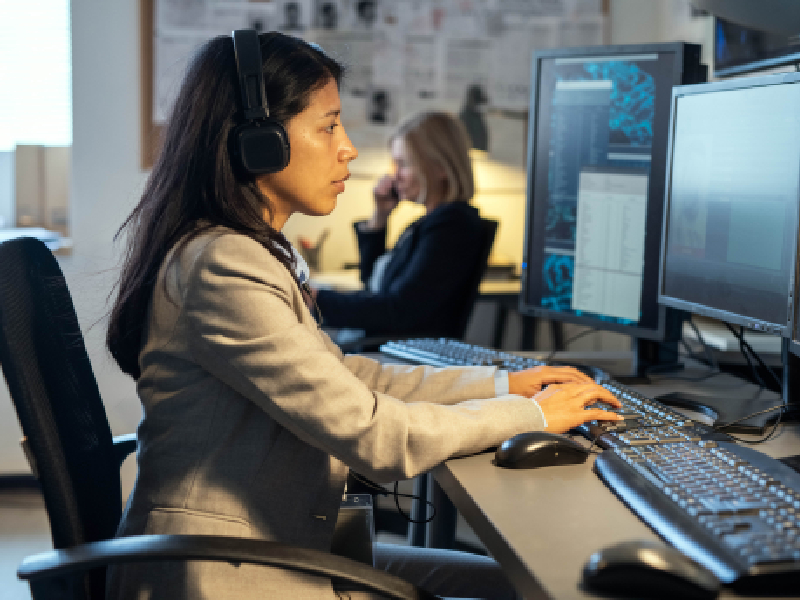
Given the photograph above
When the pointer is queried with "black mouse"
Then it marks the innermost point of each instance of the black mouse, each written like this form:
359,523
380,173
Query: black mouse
539,449
645,569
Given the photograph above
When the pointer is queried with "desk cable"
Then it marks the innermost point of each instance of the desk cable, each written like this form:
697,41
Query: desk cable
746,349
382,491
766,438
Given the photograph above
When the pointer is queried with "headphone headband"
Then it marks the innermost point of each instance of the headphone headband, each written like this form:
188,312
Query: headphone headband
247,50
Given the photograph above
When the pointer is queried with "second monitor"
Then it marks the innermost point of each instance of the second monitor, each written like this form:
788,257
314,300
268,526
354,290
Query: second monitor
597,150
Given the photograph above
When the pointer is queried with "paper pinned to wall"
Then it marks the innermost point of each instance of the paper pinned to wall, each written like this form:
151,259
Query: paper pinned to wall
510,71
421,72
184,26
171,57
467,61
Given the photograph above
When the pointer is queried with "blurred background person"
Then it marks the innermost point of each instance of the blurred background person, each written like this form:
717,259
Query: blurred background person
415,287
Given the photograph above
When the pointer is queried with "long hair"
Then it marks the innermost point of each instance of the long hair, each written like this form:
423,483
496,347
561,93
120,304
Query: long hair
194,185
439,139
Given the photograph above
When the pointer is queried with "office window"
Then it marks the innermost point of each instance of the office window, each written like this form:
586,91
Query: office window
35,73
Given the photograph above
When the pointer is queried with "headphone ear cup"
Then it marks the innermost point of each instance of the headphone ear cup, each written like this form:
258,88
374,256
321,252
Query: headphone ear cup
260,147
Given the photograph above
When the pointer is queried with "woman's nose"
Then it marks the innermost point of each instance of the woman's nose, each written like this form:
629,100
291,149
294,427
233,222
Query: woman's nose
348,151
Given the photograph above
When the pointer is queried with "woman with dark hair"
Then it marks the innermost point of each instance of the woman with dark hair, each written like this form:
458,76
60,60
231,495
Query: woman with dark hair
251,415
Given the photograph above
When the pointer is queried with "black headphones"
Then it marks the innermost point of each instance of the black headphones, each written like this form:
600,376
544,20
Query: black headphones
260,144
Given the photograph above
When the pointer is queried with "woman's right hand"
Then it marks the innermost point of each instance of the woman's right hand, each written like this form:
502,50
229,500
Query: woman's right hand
386,200
564,405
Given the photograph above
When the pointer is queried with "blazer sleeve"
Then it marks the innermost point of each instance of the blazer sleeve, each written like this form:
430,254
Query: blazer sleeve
242,328
371,244
443,259
419,383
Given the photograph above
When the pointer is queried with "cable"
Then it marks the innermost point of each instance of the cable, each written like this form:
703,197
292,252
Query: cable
706,349
746,355
769,436
382,491
744,344
569,340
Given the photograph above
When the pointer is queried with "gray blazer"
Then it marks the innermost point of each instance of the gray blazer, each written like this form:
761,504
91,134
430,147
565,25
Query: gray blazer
251,417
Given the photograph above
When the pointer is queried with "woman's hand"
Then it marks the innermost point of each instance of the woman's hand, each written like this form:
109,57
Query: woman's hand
564,405
386,200
531,381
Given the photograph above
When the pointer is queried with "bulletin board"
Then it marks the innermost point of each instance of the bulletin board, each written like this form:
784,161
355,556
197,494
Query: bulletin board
470,57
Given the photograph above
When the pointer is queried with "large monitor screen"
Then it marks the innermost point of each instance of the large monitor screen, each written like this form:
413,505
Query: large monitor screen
732,206
596,166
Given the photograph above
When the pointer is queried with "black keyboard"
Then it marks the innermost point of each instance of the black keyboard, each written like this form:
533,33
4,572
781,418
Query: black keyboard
732,509
446,352
647,421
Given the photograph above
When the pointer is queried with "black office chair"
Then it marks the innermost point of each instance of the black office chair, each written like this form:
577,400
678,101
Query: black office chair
69,446
463,310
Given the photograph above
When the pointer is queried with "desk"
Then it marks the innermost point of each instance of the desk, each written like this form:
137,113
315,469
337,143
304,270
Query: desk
542,525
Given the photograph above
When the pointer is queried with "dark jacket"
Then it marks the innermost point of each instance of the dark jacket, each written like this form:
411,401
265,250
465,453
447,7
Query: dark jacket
426,282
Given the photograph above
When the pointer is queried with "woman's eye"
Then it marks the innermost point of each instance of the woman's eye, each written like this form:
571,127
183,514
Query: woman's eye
331,127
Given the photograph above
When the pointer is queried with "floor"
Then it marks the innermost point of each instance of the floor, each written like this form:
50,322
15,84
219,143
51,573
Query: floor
24,530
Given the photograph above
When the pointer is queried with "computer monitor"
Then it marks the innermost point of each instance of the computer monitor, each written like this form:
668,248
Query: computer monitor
731,208
739,49
597,148
732,205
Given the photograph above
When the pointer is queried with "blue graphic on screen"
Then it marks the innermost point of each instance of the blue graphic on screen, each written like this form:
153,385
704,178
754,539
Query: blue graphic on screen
632,101
605,122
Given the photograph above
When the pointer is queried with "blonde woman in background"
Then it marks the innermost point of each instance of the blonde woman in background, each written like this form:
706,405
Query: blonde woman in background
415,286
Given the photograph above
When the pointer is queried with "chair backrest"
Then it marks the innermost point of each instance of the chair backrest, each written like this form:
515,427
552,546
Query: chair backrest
55,394
489,231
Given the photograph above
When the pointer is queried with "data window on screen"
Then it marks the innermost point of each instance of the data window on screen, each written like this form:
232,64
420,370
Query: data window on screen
610,242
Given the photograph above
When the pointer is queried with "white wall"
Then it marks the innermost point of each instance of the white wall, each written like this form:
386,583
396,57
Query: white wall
106,182
6,189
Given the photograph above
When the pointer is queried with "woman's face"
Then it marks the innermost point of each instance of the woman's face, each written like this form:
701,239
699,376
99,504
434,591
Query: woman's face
408,179
320,152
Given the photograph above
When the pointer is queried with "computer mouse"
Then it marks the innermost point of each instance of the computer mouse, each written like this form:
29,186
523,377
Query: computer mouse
539,449
645,569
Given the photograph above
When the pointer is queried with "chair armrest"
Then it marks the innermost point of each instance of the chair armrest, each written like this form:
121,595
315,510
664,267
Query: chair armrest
141,548
124,445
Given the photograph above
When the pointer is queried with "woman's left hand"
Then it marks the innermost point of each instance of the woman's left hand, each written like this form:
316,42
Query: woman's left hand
531,381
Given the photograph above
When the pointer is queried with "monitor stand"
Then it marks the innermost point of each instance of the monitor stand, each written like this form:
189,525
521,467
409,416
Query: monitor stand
650,356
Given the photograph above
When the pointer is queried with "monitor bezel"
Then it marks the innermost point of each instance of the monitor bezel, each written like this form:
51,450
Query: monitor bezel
784,330
525,308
